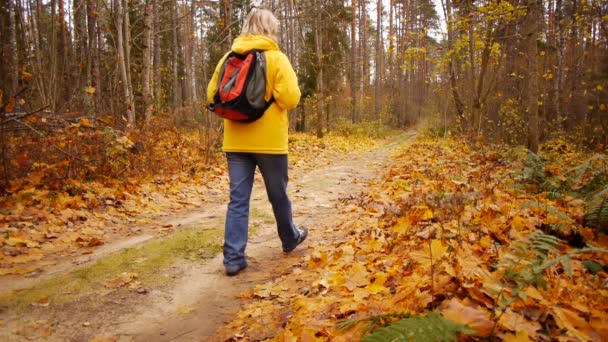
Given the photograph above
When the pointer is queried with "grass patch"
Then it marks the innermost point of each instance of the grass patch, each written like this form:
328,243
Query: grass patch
147,260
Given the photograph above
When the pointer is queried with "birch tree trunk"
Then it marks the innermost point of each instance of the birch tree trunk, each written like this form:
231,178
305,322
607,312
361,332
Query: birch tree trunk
157,50
353,61
194,96
147,53
120,52
379,53
175,56
94,76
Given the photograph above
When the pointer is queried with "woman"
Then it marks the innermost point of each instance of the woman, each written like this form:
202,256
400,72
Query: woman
262,143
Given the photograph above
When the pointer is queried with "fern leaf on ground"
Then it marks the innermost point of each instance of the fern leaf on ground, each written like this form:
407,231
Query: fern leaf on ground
597,215
430,328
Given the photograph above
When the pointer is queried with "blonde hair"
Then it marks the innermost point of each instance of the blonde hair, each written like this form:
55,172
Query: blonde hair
261,21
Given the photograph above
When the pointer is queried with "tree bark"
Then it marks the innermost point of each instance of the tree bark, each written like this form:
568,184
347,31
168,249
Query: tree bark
319,67
353,61
379,55
119,15
194,96
13,59
175,56
531,84
147,60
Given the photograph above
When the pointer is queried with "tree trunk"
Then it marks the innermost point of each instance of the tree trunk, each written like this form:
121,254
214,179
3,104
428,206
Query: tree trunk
319,66
127,44
157,50
531,85
147,53
379,55
194,96
175,57
93,74
120,52
81,44
353,61
13,59
65,63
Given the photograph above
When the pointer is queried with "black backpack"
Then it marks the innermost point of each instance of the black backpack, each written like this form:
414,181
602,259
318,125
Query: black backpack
241,87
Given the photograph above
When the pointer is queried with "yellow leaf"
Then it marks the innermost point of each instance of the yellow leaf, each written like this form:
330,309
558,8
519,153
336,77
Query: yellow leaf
86,123
17,242
90,90
520,336
402,225
184,310
485,241
599,87
438,250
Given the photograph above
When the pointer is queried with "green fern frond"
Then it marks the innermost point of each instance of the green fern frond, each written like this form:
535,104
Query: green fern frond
581,170
591,187
597,214
554,187
430,328
547,208
534,171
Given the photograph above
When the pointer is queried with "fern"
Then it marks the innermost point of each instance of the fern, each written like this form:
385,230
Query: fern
581,170
597,214
430,328
523,265
534,171
547,208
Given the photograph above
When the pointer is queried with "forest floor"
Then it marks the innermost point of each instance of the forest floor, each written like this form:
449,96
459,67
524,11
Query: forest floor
189,299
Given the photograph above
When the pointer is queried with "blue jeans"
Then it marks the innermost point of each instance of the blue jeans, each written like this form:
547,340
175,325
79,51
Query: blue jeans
241,170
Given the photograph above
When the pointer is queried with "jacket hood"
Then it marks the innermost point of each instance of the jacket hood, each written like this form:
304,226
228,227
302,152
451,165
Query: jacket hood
247,43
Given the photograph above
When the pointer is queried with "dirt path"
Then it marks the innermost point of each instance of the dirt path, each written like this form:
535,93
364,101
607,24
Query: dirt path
201,298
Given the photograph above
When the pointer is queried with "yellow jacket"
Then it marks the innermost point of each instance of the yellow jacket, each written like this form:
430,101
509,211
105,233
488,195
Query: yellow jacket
269,133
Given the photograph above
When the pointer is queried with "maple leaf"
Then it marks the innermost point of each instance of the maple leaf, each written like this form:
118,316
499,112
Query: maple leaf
467,313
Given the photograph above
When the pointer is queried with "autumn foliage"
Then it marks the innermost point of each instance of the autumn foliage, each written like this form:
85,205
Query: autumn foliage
453,229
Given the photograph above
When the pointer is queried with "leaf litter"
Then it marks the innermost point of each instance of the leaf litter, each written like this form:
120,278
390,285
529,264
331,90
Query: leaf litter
431,235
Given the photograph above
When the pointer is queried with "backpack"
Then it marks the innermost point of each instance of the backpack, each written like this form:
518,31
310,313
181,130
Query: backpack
241,87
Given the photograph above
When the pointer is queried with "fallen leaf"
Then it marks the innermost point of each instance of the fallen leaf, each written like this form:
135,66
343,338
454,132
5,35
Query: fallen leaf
121,280
184,310
94,242
466,312
520,336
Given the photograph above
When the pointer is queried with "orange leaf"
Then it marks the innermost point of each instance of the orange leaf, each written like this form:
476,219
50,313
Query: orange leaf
572,322
122,280
468,313
10,107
